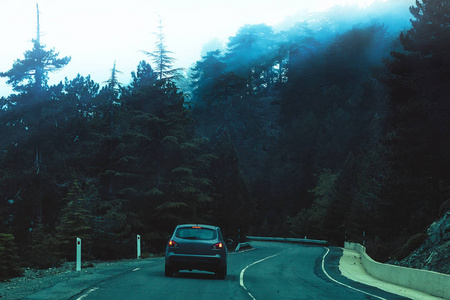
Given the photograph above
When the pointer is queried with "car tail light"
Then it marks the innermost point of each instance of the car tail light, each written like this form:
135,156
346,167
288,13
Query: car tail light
218,246
172,244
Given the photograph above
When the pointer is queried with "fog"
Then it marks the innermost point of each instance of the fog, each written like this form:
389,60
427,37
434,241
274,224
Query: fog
294,119
96,34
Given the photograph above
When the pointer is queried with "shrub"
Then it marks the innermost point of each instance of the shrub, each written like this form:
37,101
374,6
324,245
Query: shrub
9,260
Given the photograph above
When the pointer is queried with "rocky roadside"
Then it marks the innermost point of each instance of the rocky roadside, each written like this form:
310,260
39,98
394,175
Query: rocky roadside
434,253
34,281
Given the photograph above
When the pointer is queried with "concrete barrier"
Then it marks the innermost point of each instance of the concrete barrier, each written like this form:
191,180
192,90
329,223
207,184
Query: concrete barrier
432,283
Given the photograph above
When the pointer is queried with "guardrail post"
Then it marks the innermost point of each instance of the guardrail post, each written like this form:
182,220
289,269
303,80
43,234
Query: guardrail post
138,240
78,254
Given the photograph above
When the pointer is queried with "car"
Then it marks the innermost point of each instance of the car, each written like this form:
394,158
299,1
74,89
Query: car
196,247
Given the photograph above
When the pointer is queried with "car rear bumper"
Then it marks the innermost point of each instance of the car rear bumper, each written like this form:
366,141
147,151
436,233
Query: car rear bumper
210,263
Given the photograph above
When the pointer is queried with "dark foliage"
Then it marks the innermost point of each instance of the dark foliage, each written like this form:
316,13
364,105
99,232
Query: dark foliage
418,121
332,142
302,132
103,167
9,260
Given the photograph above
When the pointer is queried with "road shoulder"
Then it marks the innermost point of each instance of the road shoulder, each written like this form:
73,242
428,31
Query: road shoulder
350,267
67,283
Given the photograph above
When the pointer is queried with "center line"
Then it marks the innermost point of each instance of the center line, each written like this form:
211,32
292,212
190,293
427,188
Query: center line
87,293
241,277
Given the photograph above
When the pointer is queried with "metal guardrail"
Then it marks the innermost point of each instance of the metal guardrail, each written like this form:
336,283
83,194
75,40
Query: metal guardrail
242,245
288,240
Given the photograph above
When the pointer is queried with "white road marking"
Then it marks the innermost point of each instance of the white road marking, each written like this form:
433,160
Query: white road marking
241,277
343,284
96,288
241,251
87,293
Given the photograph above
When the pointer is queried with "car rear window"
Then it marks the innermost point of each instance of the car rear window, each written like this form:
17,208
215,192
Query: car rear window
196,233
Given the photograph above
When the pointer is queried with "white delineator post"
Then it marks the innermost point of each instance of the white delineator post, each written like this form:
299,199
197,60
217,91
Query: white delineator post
78,254
138,240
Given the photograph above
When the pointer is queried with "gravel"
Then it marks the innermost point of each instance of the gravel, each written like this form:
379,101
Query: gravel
34,283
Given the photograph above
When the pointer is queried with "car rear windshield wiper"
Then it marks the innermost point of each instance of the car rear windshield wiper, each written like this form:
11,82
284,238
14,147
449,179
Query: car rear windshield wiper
190,238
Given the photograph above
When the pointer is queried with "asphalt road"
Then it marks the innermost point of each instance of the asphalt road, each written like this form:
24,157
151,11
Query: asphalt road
270,271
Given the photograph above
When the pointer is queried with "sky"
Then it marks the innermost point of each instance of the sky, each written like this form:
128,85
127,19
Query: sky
98,33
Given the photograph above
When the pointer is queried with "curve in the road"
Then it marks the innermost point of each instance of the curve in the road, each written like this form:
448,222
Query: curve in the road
271,271
341,283
305,272
241,276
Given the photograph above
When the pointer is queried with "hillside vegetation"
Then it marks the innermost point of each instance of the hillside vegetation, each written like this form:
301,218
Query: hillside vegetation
326,130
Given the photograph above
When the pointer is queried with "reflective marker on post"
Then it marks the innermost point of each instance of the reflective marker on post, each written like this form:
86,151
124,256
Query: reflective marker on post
138,246
78,254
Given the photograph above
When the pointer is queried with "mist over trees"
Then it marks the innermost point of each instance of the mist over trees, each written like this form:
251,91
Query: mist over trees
327,146
31,73
162,57
323,128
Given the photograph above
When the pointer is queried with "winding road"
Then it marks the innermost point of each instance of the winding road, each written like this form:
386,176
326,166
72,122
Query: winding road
269,271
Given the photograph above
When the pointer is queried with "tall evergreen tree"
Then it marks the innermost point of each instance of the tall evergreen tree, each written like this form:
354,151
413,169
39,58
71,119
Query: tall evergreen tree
113,82
417,130
31,73
112,92
9,260
81,92
75,222
205,73
143,77
252,53
162,58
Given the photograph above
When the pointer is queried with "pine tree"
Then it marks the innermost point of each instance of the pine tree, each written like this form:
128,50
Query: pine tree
233,208
75,222
31,73
42,251
9,260
205,73
252,54
162,59
112,92
113,83
143,77
417,126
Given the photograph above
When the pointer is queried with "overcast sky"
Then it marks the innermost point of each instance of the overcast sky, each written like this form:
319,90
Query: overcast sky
97,33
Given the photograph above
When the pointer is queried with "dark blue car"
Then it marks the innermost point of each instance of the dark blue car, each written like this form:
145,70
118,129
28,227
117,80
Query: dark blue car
196,247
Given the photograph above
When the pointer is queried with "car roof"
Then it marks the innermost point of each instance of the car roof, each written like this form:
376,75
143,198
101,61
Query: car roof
201,225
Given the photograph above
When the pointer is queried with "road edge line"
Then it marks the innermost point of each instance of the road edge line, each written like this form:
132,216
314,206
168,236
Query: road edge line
343,284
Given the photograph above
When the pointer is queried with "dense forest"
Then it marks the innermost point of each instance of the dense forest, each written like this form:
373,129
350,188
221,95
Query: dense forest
327,130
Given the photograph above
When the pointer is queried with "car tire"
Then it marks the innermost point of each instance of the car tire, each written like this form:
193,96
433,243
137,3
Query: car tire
168,271
222,273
